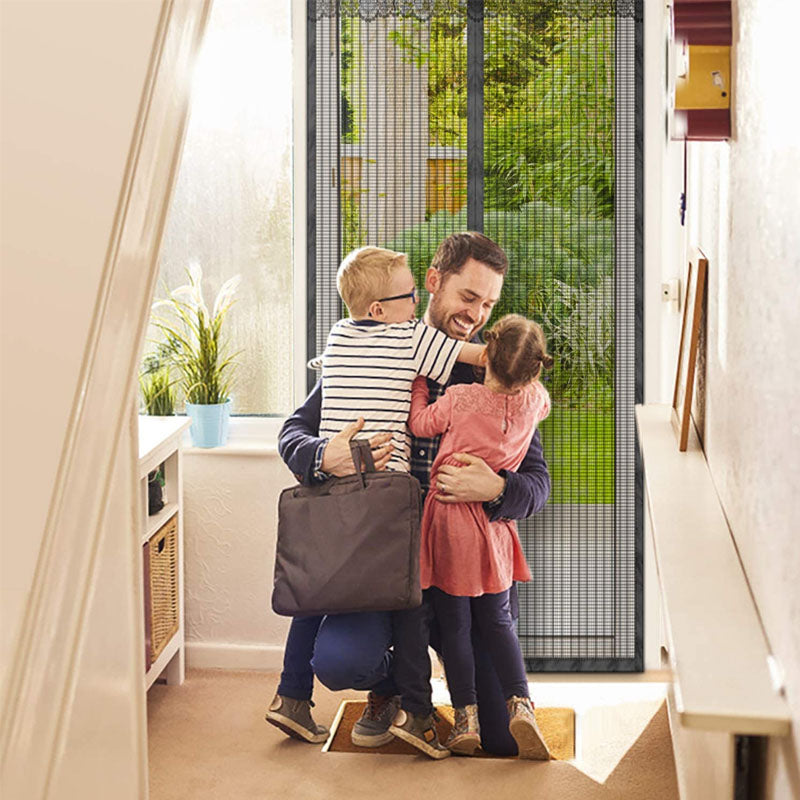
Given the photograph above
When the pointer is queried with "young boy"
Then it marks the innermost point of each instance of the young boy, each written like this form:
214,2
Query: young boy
369,364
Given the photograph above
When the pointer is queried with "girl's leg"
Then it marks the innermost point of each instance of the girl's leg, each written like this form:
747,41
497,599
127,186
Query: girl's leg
492,615
297,677
492,710
455,624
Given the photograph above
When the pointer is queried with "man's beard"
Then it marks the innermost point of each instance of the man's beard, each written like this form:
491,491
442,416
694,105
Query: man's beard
443,321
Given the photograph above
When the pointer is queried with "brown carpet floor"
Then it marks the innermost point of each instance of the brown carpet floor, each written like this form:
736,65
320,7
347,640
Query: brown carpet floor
208,739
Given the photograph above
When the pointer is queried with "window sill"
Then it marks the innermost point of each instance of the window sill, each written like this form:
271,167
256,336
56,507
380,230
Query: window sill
248,436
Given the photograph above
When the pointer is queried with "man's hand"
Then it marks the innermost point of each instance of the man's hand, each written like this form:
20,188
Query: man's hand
475,482
337,459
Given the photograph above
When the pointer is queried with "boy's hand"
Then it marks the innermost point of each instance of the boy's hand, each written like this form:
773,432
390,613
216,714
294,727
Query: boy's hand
475,482
337,459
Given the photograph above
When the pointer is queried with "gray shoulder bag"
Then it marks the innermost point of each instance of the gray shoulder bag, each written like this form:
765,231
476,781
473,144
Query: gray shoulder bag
349,544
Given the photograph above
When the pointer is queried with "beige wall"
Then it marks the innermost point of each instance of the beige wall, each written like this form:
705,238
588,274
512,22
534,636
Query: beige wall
744,212
72,77
81,223
230,527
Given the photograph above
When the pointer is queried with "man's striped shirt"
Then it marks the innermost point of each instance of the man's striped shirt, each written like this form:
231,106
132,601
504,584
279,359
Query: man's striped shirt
367,371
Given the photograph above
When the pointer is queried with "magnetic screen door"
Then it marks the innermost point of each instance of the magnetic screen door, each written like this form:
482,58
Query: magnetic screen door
522,120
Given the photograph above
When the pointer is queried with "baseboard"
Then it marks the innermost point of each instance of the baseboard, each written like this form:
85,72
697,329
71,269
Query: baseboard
224,655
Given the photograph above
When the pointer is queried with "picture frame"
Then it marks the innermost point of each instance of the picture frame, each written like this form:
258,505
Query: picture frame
687,349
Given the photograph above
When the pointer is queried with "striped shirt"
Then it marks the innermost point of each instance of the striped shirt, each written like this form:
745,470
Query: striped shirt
367,371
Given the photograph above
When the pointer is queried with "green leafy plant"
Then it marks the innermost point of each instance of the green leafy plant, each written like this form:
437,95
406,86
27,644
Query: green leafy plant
579,324
157,385
193,338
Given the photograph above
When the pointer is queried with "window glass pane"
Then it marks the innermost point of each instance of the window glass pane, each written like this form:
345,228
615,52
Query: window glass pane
231,210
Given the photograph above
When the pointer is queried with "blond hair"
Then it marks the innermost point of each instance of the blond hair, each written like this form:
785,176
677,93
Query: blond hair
364,275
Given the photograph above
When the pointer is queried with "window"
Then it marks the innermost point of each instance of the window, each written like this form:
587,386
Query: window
231,210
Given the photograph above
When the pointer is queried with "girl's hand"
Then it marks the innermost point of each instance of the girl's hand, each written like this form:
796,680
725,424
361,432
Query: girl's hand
475,482
337,459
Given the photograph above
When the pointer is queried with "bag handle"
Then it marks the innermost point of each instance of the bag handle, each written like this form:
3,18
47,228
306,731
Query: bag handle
362,454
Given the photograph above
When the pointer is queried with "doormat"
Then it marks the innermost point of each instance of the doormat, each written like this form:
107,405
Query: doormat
556,724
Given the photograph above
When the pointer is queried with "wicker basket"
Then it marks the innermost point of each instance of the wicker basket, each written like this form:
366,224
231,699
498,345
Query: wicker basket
163,585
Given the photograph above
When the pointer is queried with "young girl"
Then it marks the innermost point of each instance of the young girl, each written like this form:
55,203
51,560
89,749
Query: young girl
469,561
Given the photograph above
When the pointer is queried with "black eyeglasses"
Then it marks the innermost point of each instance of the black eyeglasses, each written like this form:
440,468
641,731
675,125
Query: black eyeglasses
412,294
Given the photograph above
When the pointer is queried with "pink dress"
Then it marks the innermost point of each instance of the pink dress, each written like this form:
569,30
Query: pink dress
461,552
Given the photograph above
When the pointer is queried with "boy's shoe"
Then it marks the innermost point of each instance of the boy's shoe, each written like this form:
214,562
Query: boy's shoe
372,729
465,737
293,717
523,727
419,730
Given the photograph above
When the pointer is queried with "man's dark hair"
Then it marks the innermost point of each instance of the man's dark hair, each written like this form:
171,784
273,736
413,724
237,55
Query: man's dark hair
453,252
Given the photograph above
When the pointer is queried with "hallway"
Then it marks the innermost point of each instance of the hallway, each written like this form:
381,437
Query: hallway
208,739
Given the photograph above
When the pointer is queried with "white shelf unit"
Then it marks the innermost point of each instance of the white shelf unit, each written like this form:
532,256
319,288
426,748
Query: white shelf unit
718,651
159,443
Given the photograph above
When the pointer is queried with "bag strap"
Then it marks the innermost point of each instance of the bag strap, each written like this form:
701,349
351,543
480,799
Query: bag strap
362,454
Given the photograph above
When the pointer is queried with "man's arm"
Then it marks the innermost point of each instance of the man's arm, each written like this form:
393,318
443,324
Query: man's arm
299,439
528,488
312,458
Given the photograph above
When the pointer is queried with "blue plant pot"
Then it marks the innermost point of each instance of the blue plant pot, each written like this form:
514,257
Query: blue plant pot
209,423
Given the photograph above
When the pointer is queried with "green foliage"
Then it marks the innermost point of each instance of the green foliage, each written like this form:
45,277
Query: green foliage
518,37
559,144
352,112
193,340
579,324
157,386
419,242
542,242
549,101
444,52
579,448
354,232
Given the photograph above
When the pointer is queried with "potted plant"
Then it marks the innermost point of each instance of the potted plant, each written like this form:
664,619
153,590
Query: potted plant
158,395
157,385
194,343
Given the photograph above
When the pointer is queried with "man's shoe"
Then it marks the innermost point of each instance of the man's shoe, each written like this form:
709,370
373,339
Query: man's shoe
523,727
465,737
419,730
372,729
293,717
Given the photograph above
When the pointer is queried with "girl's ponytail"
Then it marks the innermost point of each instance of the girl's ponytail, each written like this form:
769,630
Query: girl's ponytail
516,350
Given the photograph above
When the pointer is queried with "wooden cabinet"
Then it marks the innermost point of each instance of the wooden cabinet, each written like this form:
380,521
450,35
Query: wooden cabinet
161,540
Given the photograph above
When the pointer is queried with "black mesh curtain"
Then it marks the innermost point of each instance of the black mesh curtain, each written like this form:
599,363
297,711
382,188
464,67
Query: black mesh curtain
521,119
